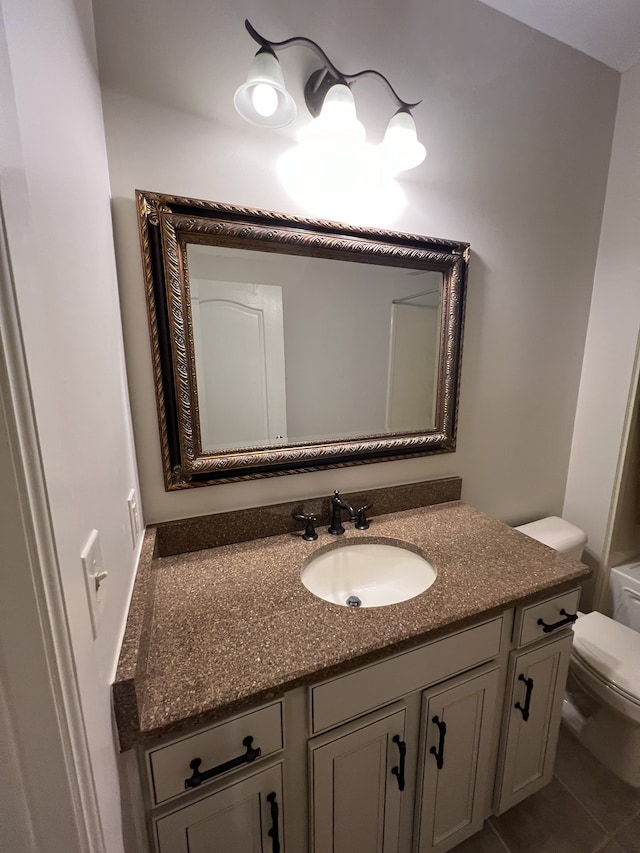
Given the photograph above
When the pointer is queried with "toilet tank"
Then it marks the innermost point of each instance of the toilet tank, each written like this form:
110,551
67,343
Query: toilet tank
558,534
625,590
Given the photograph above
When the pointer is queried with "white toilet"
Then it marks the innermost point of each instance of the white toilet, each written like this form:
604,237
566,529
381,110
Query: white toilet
602,707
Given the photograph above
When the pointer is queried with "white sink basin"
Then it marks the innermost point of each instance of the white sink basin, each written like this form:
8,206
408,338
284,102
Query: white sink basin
367,575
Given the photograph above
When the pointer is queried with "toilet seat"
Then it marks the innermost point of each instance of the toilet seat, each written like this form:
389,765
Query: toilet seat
606,658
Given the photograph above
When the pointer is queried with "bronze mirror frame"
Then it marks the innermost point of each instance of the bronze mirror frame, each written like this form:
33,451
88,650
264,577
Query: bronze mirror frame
169,223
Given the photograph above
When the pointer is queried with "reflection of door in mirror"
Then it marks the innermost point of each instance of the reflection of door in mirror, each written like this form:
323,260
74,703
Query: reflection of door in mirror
413,361
335,318
239,352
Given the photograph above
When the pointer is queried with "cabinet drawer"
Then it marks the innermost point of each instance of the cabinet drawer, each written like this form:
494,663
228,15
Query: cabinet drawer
169,765
356,693
528,626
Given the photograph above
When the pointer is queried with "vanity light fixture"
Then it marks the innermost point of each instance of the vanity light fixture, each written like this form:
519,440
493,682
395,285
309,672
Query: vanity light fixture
263,100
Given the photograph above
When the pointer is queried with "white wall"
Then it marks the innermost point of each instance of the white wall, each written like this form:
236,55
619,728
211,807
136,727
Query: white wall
55,193
518,130
625,533
610,370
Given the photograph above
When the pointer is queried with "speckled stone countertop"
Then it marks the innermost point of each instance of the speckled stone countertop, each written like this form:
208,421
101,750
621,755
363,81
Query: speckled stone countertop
214,631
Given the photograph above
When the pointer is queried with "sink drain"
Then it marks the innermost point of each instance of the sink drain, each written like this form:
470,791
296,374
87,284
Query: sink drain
353,601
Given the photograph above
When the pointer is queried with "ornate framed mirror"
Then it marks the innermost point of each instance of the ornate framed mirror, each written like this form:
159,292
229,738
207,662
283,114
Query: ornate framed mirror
282,344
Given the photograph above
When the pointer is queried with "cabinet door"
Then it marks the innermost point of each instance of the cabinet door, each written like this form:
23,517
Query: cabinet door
457,727
356,776
246,816
535,692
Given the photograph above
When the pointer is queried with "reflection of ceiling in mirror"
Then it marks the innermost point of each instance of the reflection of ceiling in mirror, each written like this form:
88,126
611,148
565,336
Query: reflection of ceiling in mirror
220,262
337,327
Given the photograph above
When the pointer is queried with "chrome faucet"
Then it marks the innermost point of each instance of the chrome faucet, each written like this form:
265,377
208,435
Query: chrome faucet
337,505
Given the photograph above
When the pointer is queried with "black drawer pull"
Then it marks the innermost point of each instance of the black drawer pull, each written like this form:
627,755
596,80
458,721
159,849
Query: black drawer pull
569,618
399,772
197,778
527,699
439,752
274,833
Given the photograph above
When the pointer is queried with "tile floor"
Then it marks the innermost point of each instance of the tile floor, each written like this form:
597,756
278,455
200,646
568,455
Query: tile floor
585,809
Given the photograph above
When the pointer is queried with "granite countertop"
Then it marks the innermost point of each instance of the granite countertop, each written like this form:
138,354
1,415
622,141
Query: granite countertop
213,631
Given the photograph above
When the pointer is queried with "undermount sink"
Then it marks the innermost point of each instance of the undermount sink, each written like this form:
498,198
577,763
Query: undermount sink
367,575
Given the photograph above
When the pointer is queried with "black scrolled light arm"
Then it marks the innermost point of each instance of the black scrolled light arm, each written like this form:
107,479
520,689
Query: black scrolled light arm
332,69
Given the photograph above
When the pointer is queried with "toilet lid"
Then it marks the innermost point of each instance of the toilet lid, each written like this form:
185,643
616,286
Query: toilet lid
611,649
555,532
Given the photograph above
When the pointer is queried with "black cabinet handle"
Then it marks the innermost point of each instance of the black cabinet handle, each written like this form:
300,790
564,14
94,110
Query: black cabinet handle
273,833
527,699
439,752
197,778
399,772
569,618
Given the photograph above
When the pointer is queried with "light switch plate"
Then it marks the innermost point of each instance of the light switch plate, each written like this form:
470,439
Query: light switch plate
134,517
94,578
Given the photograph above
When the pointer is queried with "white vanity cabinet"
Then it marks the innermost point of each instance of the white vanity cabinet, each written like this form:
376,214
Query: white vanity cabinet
458,723
409,754
211,791
357,778
433,771
536,681
533,711
385,778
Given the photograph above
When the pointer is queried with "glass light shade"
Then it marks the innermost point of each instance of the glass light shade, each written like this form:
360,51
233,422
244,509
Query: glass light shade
337,124
400,147
263,99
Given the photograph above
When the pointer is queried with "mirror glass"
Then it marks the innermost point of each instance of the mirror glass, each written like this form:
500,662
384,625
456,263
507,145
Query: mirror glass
299,349
281,344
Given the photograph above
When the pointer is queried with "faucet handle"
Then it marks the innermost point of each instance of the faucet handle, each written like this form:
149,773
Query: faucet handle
309,534
362,522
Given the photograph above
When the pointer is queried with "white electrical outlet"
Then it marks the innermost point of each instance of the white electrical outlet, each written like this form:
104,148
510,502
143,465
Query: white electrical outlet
94,577
134,517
